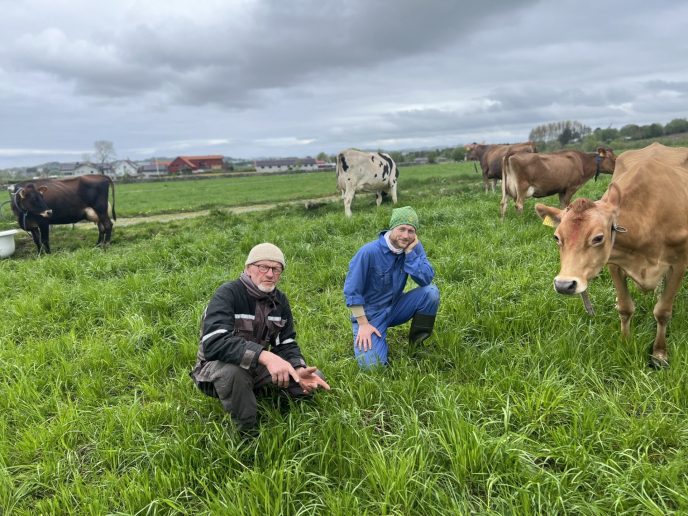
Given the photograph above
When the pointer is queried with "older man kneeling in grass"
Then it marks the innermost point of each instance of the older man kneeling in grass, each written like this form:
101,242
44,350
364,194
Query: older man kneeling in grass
248,341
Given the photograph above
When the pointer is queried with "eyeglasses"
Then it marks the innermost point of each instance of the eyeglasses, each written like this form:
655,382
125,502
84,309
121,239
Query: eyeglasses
265,268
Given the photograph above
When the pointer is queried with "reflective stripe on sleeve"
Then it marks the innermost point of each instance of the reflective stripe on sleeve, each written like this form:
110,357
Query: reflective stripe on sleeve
216,332
247,359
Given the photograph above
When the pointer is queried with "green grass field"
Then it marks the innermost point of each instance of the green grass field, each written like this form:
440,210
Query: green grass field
525,404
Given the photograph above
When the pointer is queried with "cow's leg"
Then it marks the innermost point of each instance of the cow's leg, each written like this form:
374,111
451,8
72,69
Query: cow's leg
503,204
44,232
565,198
393,191
378,198
521,195
101,234
348,199
662,313
108,230
36,235
624,302
104,232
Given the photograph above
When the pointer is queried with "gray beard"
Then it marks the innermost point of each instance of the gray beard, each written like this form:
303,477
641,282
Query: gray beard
267,290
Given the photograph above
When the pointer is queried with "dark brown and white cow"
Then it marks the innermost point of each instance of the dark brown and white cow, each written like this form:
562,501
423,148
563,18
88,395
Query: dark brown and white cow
542,175
365,172
40,203
639,229
491,156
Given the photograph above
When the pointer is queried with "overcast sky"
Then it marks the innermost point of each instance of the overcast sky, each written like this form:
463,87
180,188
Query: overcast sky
278,78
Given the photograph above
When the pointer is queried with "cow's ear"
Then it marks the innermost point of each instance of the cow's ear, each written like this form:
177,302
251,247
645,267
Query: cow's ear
21,193
550,215
601,151
613,196
42,189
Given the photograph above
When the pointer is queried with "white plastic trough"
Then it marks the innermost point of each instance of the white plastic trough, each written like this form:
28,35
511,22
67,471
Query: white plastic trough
7,242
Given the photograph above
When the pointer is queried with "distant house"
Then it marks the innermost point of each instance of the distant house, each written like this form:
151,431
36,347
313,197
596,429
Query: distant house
286,164
421,161
325,165
124,168
77,169
195,164
155,169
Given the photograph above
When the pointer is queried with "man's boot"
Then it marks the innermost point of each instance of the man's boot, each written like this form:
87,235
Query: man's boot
421,329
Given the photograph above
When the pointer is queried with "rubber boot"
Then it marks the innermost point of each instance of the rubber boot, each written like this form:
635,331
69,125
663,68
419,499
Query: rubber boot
421,329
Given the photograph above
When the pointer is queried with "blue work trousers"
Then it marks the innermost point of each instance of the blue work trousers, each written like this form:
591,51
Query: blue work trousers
423,300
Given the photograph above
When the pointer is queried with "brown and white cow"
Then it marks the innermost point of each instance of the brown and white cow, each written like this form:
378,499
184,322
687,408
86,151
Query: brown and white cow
359,171
542,175
639,229
40,203
491,156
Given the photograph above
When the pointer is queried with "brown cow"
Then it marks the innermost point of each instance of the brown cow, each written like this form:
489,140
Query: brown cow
639,229
490,157
541,175
40,203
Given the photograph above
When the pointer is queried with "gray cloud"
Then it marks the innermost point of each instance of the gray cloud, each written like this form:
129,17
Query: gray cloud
281,78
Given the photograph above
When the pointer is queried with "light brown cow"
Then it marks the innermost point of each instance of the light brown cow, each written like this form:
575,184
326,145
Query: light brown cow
490,157
668,155
542,175
639,229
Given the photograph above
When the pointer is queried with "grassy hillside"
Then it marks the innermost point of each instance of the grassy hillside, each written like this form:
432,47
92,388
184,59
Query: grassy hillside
525,404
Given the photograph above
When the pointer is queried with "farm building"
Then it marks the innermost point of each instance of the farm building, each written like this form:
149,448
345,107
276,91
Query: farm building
286,164
195,164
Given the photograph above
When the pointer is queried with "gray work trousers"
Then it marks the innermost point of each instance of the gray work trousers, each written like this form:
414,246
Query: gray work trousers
236,389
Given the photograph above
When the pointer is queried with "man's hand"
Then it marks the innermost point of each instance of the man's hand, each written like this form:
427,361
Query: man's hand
279,369
364,342
311,381
413,244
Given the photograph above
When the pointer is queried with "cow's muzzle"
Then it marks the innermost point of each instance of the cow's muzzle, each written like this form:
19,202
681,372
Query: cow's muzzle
47,214
565,286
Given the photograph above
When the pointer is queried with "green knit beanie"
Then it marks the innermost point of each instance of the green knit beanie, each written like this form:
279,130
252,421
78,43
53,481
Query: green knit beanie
405,215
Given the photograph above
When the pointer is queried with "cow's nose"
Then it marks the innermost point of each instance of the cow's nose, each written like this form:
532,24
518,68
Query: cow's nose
48,213
565,286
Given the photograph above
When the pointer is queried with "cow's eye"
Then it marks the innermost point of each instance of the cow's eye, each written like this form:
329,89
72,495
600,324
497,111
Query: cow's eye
556,239
598,239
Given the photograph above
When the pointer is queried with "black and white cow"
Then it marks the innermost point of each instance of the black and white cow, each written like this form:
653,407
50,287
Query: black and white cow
365,172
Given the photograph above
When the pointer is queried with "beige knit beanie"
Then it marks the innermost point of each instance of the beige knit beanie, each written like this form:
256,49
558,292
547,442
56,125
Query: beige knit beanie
266,251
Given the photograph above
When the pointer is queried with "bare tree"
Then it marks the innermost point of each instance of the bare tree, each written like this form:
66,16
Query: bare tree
104,152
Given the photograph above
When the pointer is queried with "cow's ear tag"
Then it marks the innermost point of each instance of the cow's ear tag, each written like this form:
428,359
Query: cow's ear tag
547,221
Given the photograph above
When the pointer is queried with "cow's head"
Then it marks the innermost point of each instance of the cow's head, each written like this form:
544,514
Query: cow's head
472,152
605,161
30,200
585,233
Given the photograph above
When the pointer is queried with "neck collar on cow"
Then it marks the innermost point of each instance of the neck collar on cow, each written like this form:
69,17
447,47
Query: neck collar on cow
598,160
24,212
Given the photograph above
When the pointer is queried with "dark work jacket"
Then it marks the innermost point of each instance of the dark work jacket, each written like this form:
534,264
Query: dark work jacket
229,333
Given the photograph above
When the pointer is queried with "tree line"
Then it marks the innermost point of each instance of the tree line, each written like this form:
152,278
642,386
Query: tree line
572,132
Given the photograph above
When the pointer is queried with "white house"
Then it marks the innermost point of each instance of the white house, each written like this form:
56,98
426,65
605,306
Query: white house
124,168
77,169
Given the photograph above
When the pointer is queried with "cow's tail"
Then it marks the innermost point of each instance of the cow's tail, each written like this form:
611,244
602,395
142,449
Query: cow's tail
112,183
506,173
339,170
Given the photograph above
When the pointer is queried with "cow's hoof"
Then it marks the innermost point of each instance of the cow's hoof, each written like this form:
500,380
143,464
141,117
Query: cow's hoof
659,362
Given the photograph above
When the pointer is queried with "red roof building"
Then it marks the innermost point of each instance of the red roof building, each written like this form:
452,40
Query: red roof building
195,164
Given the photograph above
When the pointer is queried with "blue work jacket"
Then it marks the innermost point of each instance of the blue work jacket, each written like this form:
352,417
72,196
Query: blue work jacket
377,276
